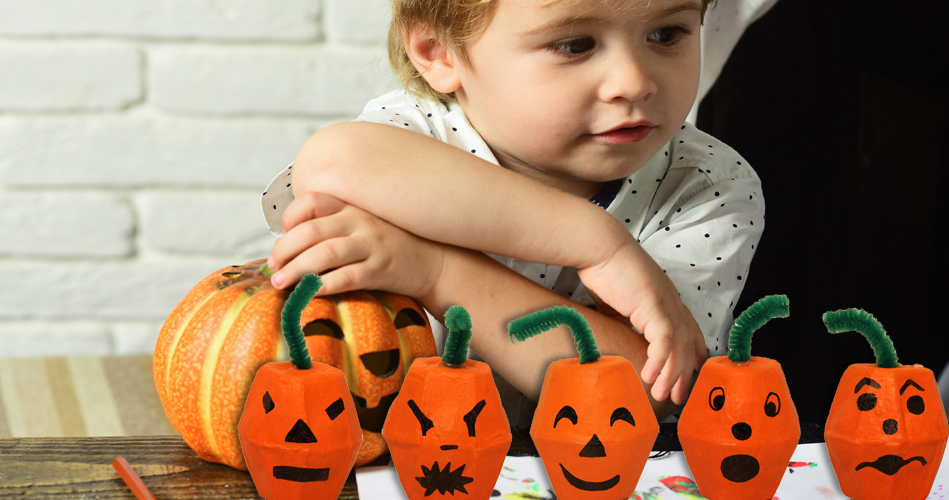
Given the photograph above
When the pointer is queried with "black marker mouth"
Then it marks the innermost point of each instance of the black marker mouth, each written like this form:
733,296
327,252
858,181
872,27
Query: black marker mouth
300,474
740,468
444,480
580,484
890,464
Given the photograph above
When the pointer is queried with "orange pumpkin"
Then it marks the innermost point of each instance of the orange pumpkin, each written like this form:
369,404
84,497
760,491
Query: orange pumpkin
594,426
299,429
739,428
887,430
448,412
228,326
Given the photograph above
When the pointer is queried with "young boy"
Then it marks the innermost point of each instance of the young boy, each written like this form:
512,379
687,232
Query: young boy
578,101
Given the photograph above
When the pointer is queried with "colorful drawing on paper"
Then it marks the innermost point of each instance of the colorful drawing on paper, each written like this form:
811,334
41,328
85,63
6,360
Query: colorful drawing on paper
682,485
938,492
652,494
532,488
793,465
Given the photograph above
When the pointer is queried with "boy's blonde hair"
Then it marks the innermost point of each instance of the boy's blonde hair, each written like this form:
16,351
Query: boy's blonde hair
456,23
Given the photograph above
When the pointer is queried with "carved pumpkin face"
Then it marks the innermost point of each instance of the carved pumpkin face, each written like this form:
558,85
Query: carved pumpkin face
299,431
886,431
593,428
373,337
447,431
739,428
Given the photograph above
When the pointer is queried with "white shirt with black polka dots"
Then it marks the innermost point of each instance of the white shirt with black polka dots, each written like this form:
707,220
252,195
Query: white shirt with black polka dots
696,208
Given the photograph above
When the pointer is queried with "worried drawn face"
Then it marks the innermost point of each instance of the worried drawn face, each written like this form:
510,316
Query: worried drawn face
447,431
886,429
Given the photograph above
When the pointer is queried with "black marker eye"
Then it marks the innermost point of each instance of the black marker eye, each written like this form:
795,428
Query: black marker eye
335,409
622,414
772,405
867,401
472,416
568,413
424,421
915,405
716,398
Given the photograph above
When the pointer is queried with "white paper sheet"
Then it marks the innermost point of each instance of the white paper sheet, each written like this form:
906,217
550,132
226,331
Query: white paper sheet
810,476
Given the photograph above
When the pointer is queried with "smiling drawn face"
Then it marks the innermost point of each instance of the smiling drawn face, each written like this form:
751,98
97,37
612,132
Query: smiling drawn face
886,431
593,428
447,431
739,428
299,431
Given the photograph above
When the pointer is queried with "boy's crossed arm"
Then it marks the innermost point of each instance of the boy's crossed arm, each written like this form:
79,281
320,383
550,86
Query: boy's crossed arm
441,193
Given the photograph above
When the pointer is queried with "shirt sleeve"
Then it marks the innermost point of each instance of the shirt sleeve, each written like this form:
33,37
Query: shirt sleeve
705,246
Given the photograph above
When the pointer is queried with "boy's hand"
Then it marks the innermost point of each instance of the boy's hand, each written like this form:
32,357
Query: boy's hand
355,249
634,286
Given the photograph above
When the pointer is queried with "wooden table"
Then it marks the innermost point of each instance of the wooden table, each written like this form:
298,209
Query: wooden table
61,468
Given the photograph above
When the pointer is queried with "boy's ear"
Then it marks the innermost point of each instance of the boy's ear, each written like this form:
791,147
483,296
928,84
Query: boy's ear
433,60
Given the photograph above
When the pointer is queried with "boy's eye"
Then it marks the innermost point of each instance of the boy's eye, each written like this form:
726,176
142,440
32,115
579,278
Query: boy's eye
573,46
668,36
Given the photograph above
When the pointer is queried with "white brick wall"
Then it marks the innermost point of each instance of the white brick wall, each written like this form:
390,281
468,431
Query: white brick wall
135,139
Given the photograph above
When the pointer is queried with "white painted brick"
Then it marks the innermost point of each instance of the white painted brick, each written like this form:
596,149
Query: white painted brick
38,76
357,21
22,339
209,19
143,290
205,222
296,80
134,151
65,224
134,337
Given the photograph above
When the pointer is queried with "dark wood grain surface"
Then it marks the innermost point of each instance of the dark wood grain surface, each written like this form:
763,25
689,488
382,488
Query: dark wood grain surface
67,468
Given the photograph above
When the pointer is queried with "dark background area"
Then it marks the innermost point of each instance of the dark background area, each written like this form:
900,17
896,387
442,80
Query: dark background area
842,107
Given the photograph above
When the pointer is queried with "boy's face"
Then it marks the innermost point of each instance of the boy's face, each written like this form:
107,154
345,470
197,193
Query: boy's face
580,92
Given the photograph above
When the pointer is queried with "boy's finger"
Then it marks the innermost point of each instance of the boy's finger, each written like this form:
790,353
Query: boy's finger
303,237
330,254
309,206
660,347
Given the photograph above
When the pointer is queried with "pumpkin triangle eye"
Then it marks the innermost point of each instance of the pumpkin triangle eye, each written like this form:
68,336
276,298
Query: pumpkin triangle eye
622,414
268,403
335,409
472,416
424,421
408,317
300,433
568,413
382,364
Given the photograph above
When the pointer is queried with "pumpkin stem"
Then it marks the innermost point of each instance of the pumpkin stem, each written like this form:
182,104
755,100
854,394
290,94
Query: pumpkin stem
766,309
847,320
265,270
290,319
539,322
458,322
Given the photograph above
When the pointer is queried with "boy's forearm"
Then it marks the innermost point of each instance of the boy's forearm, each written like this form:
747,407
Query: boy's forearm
444,194
494,295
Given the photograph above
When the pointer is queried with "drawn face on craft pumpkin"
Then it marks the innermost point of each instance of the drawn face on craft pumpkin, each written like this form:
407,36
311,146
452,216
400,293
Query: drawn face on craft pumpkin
299,431
373,337
740,426
887,430
447,431
593,427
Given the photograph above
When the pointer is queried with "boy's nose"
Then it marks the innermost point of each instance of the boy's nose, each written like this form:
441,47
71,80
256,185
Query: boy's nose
626,77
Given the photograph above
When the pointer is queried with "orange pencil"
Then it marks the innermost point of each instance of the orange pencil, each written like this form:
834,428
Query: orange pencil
134,482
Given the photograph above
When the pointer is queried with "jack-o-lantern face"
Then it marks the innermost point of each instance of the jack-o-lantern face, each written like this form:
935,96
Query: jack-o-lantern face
887,430
447,431
299,431
593,428
739,428
381,334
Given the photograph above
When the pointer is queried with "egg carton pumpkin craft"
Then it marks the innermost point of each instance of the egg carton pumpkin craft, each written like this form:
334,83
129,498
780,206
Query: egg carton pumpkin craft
887,430
739,427
447,431
228,326
593,426
299,430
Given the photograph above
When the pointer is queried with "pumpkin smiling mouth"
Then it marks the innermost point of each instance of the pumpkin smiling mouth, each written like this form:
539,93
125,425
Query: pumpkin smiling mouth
372,419
890,464
589,485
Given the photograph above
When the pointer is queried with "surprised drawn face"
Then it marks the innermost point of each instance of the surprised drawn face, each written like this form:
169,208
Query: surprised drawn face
886,431
447,430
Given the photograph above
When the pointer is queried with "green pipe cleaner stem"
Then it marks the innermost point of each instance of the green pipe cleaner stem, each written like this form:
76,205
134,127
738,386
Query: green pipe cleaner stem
858,320
290,320
458,322
766,309
539,322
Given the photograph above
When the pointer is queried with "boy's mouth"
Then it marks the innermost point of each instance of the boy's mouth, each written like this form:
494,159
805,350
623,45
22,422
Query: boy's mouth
626,133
